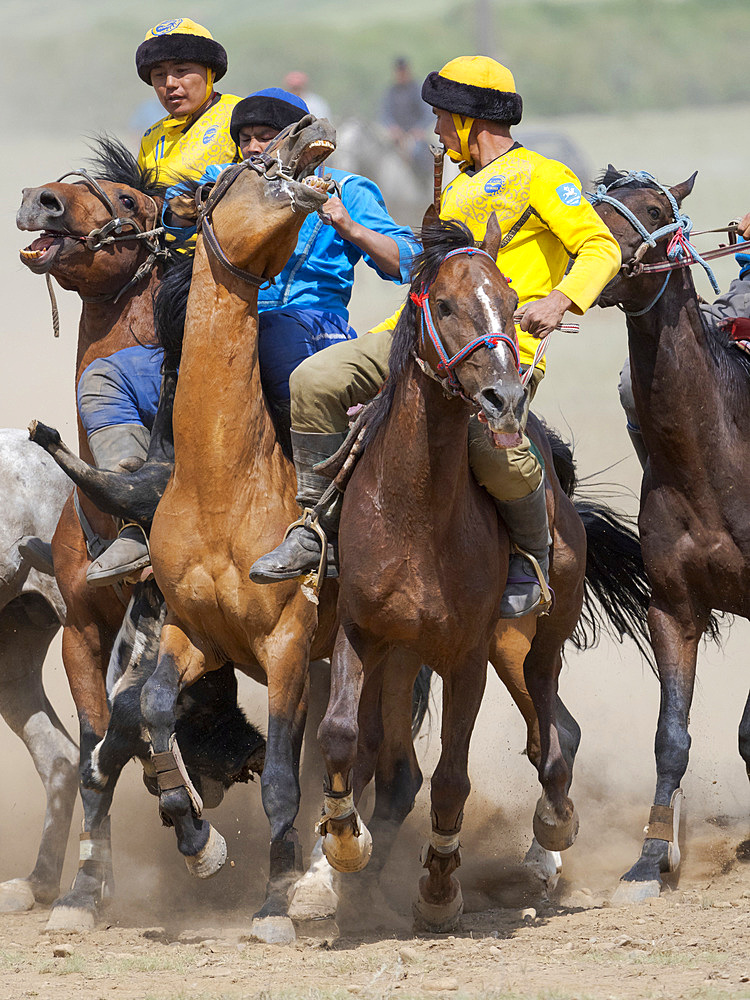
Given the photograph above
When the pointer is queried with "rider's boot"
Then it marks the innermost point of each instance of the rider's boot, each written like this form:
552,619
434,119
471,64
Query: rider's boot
528,528
115,448
300,551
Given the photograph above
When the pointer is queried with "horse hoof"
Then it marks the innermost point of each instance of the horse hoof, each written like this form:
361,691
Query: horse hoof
273,930
16,896
313,899
441,919
635,892
545,865
348,853
551,834
210,858
71,918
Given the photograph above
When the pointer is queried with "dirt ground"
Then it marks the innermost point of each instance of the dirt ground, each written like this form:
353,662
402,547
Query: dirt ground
167,937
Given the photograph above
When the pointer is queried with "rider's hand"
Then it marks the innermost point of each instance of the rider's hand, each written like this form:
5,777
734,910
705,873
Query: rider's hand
334,214
543,316
743,228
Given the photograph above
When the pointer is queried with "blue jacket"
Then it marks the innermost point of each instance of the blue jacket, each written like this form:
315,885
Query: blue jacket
320,272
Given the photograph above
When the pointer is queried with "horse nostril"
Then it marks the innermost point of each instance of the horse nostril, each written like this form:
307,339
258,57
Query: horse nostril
50,202
495,399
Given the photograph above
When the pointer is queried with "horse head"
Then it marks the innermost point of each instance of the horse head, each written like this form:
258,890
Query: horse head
642,216
468,333
257,207
76,220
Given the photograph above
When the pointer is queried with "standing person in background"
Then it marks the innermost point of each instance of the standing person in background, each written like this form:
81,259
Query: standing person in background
182,62
298,83
406,116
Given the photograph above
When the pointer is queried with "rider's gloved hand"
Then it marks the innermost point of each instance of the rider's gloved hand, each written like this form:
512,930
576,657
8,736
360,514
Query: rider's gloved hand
743,259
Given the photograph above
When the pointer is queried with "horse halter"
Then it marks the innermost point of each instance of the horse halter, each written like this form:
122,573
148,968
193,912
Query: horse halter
489,340
680,251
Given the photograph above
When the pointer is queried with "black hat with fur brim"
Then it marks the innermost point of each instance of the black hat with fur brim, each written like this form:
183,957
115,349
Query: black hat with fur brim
265,109
470,101
179,47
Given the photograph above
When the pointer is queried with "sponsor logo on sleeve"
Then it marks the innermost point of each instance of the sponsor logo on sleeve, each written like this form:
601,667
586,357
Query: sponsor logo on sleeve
569,194
495,185
208,135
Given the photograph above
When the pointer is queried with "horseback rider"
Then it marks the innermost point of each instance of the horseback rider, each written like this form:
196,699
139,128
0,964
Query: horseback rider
558,255
305,311
182,61
118,395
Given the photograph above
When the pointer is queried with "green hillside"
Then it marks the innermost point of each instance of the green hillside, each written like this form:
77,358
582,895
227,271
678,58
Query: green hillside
71,61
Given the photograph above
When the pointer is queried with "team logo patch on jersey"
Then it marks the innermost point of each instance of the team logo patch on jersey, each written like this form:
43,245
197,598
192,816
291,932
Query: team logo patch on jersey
569,195
209,135
166,26
494,185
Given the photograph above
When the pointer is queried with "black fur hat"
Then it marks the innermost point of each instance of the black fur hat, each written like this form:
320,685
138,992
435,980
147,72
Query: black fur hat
475,87
274,107
180,40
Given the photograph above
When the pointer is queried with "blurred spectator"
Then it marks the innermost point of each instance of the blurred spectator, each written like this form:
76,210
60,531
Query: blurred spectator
297,82
406,116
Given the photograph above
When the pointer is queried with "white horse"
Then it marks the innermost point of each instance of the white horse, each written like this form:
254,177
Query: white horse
33,490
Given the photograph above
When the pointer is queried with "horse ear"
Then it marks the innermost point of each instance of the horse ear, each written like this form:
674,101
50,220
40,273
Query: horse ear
431,218
493,237
680,191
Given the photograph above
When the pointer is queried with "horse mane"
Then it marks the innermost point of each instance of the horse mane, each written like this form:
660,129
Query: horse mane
733,364
112,161
170,308
437,241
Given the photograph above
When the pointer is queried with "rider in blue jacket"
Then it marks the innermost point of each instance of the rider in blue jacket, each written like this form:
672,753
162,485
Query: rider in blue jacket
302,313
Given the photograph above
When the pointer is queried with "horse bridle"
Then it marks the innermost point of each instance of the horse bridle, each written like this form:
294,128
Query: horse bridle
680,251
447,364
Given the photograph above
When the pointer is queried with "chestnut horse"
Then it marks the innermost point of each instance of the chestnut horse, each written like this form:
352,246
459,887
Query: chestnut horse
92,242
693,521
423,572
233,488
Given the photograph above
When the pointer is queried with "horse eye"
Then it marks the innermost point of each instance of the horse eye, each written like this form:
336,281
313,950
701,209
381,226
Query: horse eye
127,201
443,309
654,213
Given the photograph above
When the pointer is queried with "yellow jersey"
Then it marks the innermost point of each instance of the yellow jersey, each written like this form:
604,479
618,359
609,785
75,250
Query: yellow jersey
173,152
548,229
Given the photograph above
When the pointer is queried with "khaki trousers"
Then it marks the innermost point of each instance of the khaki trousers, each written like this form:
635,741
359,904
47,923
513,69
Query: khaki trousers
327,384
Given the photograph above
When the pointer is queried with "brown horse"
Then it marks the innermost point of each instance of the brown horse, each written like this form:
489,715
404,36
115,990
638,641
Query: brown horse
693,517
91,242
231,490
422,575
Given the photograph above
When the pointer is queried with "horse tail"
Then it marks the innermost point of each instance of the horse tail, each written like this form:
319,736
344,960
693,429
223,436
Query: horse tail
420,699
616,593
563,460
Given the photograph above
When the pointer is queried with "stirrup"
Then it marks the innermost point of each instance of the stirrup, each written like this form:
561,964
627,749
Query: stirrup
309,518
547,597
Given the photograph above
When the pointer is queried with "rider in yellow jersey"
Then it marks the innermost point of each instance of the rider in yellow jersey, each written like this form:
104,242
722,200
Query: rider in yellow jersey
181,61
557,253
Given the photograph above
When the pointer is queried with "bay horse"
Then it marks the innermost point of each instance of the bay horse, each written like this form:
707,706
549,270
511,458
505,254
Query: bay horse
93,242
694,524
424,561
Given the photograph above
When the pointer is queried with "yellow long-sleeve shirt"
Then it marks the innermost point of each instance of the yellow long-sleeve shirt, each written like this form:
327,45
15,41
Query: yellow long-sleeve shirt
545,221
173,152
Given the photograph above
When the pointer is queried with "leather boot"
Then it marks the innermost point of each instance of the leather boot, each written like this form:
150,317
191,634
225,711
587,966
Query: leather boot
528,528
639,445
113,448
299,553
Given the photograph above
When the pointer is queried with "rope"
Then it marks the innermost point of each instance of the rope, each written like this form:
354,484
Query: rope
679,249
53,304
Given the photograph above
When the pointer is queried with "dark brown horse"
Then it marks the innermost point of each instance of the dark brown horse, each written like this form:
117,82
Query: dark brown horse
692,395
422,574
76,221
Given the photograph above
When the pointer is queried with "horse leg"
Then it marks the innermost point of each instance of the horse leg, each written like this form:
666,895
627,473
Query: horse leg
439,903
346,840
675,645
555,818
24,706
743,849
203,847
288,690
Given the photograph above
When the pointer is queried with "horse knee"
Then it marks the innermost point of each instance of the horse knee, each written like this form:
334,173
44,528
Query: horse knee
159,698
338,742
